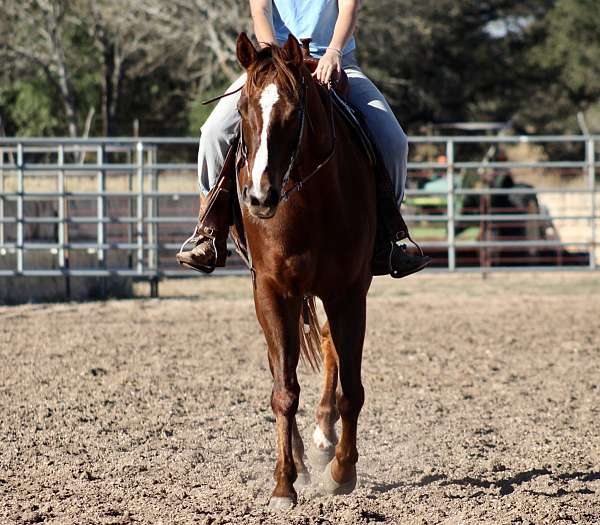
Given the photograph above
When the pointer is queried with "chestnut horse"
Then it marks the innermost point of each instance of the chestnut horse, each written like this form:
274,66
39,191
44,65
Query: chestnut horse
307,191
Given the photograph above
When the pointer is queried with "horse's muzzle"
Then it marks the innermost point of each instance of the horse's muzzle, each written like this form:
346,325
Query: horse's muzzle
262,206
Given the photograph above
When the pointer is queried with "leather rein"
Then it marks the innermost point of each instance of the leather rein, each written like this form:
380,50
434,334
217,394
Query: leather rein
297,185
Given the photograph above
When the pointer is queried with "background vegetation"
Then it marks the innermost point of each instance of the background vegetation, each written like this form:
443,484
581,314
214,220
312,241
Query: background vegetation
105,67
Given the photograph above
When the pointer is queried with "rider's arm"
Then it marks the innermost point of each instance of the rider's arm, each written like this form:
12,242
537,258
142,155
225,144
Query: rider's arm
346,23
331,62
262,16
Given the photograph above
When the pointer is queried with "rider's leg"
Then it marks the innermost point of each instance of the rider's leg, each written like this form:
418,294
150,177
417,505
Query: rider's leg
392,144
215,157
385,129
216,135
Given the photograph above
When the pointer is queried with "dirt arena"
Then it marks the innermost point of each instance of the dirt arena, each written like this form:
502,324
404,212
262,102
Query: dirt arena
482,406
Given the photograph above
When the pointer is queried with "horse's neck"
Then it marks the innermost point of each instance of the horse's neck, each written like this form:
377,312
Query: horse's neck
319,123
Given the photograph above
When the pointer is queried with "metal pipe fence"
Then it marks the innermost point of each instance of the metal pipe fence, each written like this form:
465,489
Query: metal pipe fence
125,203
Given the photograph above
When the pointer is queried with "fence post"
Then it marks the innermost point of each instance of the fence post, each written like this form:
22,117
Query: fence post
152,228
20,214
61,207
101,212
101,204
591,167
450,205
151,214
2,199
140,208
129,208
63,212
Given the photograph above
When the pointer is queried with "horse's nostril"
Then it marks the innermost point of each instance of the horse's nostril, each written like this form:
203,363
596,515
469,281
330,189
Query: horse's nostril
272,198
265,200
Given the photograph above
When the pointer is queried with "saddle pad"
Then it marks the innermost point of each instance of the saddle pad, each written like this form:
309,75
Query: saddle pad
357,124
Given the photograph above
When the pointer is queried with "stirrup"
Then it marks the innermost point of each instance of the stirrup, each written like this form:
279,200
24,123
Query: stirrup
405,235
199,267
422,261
194,237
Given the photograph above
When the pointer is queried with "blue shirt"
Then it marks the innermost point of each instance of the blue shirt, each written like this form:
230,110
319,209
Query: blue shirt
313,19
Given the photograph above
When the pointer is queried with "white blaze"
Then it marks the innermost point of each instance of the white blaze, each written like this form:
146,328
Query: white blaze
268,98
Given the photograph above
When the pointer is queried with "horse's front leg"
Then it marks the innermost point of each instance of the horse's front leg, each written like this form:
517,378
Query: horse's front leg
303,479
347,320
324,436
278,317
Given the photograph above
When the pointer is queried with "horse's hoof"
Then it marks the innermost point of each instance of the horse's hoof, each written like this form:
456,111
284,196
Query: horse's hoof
319,458
280,503
332,487
303,480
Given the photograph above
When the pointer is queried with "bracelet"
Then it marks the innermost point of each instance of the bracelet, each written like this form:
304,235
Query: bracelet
338,51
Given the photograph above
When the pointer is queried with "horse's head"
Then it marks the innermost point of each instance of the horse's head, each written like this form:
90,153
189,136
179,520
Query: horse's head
270,107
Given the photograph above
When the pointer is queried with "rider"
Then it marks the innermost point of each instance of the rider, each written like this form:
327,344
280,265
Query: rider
330,26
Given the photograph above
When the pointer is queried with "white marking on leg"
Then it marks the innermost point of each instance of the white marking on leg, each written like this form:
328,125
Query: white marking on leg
320,440
268,98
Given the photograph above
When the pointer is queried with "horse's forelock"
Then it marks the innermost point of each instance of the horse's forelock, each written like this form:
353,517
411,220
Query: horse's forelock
271,66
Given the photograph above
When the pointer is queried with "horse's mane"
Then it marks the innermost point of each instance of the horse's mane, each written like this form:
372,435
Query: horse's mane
271,65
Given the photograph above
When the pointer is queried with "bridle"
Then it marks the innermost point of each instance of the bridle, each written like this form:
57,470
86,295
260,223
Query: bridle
287,178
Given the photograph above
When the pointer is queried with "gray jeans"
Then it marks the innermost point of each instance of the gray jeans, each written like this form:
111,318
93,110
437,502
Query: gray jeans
220,128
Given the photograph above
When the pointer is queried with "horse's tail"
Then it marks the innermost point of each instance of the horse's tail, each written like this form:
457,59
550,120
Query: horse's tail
310,334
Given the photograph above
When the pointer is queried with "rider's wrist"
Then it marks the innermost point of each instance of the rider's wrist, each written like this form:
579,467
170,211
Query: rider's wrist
335,49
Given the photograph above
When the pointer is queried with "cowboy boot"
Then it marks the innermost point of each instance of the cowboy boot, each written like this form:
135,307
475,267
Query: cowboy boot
391,257
215,218
402,263
210,245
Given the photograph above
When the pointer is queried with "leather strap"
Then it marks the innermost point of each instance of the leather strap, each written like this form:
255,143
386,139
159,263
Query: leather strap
216,218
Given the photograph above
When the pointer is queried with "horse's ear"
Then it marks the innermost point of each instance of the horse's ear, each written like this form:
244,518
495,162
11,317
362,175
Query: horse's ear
246,52
293,51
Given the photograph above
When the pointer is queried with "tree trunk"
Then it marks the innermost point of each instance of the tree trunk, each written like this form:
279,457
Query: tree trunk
117,78
107,87
64,82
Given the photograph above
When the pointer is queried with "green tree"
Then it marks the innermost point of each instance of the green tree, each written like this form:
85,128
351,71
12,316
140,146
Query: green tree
30,106
567,58
533,61
442,60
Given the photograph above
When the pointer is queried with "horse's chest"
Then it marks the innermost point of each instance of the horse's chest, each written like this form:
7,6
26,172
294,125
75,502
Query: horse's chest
287,265
295,265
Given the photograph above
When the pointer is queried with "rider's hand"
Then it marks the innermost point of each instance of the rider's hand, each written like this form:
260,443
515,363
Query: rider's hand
329,67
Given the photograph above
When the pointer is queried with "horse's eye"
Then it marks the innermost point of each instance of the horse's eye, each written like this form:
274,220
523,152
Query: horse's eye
243,106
